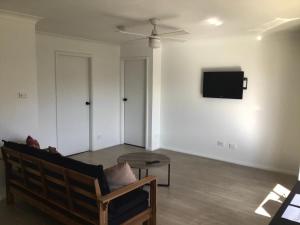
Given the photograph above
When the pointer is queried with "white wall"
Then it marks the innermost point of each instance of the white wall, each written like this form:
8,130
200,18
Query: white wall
264,126
105,88
18,116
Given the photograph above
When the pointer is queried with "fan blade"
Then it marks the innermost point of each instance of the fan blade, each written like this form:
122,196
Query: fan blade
132,33
140,22
168,27
174,39
176,32
136,39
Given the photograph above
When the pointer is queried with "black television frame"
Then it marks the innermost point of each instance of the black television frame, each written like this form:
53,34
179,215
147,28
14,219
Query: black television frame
210,91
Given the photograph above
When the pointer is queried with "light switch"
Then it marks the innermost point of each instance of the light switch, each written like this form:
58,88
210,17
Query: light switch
22,95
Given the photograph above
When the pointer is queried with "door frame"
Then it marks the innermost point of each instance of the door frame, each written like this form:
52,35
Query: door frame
90,90
147,100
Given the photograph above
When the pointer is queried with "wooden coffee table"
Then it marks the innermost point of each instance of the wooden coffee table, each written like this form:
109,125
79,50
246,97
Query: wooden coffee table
146,161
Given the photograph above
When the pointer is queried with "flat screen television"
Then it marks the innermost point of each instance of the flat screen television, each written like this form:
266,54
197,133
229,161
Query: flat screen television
229,84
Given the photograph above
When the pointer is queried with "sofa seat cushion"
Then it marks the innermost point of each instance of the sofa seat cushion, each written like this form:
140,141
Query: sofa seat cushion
87,169
127,206
121,218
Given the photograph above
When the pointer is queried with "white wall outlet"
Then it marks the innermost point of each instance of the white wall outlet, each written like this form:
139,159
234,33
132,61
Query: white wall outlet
99,137
22,95
232,146
220,144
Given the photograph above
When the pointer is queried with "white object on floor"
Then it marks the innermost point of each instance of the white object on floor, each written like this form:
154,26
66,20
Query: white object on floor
292,213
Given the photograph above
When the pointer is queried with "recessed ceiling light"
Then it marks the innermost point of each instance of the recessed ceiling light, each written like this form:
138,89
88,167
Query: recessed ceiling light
259,37
214,21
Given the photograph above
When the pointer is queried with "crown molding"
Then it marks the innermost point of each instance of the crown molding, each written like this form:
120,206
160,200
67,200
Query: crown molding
76,38
20,17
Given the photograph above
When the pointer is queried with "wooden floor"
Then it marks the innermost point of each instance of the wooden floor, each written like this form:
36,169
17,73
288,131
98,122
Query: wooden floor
202,191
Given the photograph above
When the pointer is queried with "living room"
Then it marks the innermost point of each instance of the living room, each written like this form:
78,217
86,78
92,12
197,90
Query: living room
228,157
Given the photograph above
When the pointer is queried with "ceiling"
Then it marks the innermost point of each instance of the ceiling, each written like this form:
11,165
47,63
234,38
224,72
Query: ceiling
97,19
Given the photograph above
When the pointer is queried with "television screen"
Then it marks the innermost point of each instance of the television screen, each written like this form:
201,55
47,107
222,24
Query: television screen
223,84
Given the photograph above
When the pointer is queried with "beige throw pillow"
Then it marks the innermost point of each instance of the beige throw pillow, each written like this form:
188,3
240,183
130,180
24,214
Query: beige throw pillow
119,175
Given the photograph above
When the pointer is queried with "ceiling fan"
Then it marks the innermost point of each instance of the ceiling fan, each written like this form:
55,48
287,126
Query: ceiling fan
154,39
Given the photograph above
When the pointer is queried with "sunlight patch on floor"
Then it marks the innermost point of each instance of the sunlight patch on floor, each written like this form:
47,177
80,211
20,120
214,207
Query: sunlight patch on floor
277,195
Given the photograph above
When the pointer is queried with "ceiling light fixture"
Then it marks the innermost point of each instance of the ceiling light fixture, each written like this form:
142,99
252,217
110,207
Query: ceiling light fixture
154,42
155,37
214,21
259,37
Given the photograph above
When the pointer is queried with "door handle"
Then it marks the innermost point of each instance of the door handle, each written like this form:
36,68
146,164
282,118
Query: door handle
87,103
124,99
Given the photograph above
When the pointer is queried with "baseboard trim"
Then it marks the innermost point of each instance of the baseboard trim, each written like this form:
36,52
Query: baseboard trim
104,147
242,163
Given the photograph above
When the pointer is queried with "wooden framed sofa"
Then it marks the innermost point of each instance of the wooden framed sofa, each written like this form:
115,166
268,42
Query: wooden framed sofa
74,192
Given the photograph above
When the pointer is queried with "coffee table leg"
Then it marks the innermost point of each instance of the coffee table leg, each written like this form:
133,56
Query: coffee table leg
169,178
162,185
169,174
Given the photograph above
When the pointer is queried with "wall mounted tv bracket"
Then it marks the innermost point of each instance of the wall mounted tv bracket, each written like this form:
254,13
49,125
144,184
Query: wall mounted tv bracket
245,84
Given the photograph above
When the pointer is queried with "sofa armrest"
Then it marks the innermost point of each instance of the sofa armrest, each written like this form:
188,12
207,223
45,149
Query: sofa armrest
126,189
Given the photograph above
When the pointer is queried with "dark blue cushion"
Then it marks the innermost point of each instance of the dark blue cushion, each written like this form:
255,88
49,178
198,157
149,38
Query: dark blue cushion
31,151
128,201
127,206
121,218
87,169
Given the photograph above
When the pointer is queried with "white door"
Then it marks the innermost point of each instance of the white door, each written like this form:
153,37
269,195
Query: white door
134,102
72,87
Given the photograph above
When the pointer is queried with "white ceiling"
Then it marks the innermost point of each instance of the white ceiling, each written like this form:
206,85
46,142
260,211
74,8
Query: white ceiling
96,19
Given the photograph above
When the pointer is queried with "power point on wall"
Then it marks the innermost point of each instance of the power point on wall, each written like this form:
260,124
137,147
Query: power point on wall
99,137
22,95
232,146
220,144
